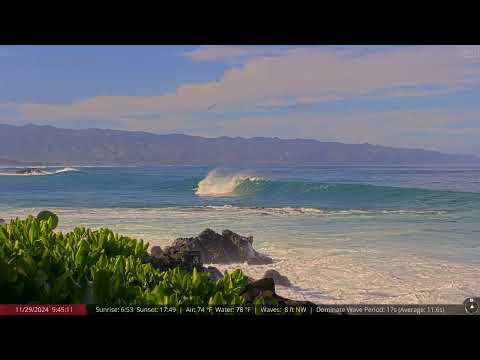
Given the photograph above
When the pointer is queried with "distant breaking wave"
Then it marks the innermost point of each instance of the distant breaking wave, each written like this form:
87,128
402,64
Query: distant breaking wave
40,172
67,169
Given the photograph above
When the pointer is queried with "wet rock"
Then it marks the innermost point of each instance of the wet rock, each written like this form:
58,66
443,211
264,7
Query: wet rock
254,289
264,284
225,248
260,259
278,279
264,289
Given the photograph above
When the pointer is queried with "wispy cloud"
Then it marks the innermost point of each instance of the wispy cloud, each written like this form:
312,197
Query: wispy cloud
229,52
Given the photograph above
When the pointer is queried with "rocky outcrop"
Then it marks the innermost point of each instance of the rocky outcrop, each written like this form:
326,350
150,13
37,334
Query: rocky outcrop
211,247
207,247
278,279
2,221
225,248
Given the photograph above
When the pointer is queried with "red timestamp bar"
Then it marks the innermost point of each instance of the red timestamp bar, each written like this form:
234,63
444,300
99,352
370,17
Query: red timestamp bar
43,309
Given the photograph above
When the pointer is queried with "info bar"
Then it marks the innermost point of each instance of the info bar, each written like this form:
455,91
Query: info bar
469,307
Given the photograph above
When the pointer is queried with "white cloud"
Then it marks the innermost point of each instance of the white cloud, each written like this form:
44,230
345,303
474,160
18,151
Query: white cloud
301,75
229,52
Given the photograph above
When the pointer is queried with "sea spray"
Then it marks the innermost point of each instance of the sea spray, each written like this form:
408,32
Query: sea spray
218,184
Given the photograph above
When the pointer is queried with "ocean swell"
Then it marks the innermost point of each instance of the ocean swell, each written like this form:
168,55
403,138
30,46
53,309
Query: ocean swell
291,194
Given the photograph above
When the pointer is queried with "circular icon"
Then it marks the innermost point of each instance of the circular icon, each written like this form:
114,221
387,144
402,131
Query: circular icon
471,306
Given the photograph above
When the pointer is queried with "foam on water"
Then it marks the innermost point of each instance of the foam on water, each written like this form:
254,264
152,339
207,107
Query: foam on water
346,275
289,210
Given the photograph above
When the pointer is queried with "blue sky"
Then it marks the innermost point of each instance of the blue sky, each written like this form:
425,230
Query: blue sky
407,96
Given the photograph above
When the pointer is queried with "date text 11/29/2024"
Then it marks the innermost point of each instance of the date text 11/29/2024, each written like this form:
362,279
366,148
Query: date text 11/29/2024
43,309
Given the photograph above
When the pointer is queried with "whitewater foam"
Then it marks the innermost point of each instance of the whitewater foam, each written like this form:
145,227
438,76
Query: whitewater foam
288,210
217,184
39,172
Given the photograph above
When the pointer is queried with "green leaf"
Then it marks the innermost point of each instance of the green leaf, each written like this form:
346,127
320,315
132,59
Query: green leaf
7,273
101,287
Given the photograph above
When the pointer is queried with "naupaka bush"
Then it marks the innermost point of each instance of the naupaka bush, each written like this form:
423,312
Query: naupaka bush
38,265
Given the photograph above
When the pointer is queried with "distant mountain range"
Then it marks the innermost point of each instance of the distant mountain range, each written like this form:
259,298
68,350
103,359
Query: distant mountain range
55,146
7,162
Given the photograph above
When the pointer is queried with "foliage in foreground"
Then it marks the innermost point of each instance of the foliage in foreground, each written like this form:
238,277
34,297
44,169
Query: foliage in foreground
38,265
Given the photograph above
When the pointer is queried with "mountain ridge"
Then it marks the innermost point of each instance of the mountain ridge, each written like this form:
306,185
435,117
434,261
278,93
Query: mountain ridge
47,144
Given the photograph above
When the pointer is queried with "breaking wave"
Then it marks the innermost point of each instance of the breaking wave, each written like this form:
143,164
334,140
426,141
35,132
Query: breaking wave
38,172
217,184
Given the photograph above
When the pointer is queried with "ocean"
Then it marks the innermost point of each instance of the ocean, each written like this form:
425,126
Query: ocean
341,233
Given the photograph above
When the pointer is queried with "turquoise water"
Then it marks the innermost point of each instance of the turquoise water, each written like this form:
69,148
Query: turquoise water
346,188
343,233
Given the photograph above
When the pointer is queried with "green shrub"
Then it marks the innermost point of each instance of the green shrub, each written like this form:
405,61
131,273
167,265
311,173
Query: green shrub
180,288
38,265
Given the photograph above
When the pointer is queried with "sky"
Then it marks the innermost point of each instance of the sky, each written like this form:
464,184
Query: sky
403,96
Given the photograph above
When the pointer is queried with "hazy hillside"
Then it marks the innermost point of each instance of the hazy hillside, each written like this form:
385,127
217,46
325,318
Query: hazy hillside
47,144
8,162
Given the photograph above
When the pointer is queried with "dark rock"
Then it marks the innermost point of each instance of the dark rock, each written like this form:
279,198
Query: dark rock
30,171
254,289
288,302
157,252
264,289
215,274
260,259
225,248
250,293
267,295
264,284
2,221
278,279
183,258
